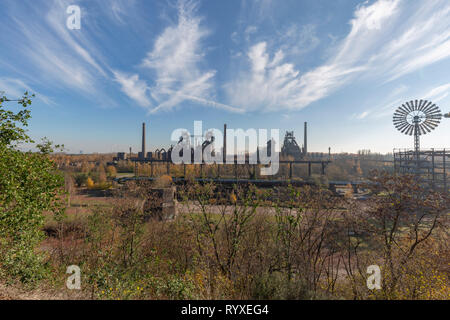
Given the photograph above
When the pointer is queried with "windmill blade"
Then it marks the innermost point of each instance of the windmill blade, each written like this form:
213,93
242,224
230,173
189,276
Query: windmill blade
410,130
429,108
404,108
426,105
427,127
417,117
433,119
421,104
401,126
400,123
422,129
403,119
400,112
432,123
434,111
410,106
400,116
437,116
405,129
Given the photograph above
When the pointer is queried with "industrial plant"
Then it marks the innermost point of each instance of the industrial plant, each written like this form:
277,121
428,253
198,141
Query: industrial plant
414,118
290,148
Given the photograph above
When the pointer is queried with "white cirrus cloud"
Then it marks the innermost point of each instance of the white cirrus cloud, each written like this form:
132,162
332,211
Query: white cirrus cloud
438,93
133,87
175,60
388,39
15,88
67,59
271,83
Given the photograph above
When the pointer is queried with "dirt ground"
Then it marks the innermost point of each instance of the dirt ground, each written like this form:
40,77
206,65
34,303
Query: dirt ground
13,292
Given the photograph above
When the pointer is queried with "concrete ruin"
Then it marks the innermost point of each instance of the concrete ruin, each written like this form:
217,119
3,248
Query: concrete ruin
161,204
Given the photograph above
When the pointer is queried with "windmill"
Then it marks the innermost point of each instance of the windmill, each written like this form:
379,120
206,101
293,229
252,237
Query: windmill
417,118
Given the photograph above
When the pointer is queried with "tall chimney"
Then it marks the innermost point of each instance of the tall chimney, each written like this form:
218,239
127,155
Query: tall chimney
305,143
143,140
224,143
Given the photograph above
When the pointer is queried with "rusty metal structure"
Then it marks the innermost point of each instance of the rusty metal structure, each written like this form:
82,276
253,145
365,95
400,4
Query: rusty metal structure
419,117
431,166
159,161
291,148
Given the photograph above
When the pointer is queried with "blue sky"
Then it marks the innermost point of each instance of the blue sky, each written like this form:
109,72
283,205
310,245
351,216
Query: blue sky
343,66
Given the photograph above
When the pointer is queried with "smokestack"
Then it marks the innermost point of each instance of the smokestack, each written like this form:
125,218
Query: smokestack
224,143
305,143
143,140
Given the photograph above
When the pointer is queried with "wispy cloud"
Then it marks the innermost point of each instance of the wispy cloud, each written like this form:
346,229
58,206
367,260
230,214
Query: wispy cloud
271,83
53,61
397,96
175,60
119,9
133,87
386,106
439,93
297,40
418,33
15,88
69,59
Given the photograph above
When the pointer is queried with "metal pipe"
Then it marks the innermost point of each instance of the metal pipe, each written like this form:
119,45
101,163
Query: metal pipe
224,143
305,143
143,141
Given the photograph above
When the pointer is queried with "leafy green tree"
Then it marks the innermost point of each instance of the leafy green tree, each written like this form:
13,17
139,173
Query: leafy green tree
10,122
29,186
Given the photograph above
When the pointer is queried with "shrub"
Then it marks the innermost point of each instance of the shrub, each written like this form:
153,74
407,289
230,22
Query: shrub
29,186
81,179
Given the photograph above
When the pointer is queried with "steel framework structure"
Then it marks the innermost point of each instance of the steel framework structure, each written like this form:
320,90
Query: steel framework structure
431,166
417,117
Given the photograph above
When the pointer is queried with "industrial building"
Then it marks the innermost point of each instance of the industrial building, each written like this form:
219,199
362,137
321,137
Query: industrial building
290,147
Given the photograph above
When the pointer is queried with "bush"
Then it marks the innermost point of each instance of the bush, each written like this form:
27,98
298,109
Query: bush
277,286
81,179
29,186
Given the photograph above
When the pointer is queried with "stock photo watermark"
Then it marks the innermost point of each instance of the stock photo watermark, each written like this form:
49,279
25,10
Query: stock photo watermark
73,22
374,280
228,147
73,282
